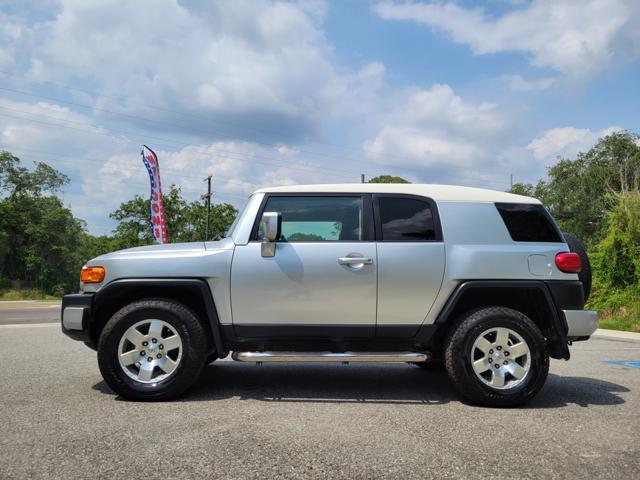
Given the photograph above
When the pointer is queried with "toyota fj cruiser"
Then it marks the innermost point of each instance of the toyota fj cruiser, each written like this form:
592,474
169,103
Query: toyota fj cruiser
478,281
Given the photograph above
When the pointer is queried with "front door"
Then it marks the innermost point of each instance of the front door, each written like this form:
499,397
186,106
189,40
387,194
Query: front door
322,280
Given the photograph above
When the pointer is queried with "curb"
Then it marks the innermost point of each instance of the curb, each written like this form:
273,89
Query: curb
616,335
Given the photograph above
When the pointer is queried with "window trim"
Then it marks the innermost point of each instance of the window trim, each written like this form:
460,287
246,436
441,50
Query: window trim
437,226
368,231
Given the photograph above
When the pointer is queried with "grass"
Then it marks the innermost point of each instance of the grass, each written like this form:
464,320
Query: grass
620,320
7,295
619,309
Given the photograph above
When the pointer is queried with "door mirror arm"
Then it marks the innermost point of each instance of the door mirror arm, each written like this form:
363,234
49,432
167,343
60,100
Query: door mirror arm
271,226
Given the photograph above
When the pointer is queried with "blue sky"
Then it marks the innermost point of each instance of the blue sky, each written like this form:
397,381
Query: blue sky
262,93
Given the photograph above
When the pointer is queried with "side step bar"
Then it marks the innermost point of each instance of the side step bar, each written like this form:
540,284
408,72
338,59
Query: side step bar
329,357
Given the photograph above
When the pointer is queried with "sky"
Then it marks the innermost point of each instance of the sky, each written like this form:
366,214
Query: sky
259,93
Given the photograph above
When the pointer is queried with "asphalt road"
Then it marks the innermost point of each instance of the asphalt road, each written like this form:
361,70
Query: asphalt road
59,420
28,311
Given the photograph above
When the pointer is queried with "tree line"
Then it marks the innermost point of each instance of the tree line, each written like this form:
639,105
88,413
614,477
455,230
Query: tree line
595,196
43,246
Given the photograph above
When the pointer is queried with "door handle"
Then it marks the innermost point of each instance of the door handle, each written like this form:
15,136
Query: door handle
355,260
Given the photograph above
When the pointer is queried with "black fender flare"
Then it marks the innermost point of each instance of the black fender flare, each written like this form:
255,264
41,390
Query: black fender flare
198,284
558,334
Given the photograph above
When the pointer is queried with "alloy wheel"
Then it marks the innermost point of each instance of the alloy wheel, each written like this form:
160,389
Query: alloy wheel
150,351
500,358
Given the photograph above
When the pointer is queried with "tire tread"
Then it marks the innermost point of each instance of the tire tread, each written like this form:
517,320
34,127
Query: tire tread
194,359
469,386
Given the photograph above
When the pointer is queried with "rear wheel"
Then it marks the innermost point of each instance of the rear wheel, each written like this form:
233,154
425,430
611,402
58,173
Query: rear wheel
152,350
497,357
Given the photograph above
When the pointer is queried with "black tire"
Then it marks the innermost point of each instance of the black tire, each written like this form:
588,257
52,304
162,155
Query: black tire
576,246
458,357
194,347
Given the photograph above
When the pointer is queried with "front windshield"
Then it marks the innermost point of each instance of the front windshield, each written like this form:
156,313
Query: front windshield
233,225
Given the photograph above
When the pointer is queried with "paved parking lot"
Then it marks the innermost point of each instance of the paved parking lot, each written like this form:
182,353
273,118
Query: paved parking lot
59,420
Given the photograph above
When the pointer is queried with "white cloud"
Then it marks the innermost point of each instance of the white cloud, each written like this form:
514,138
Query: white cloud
436,128
517,83
106,170
566,141
577,38
215,69
232,88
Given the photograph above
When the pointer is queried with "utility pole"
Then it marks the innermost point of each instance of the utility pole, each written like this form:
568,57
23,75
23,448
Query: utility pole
511,179
362,178
208,179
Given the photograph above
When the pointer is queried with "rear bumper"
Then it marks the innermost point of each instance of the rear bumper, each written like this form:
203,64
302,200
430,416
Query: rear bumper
580,323
76,316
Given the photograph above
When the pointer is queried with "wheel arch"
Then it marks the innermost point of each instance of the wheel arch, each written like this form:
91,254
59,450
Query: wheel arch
532,298
191,292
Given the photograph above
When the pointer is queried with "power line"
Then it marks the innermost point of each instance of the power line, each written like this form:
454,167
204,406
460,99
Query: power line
226,193
309,152
173,143
158,139
155,107
165,169
166,124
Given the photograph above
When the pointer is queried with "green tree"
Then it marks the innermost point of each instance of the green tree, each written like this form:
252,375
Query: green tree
617,255
43,245
578,192
537,191
387,179
304,237
17,181
616,262
39,237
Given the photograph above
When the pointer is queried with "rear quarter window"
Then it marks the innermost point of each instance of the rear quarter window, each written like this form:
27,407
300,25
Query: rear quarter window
529,223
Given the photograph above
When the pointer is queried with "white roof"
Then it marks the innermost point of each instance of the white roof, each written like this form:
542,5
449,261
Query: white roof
439,193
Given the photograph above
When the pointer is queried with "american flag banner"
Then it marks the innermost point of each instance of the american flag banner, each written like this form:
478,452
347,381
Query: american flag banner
158,224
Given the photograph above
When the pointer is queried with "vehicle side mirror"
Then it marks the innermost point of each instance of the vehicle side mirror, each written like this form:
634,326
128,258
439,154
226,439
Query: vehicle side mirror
271,226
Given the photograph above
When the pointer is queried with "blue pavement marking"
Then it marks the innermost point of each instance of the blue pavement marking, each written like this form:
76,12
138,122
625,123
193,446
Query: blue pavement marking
626,363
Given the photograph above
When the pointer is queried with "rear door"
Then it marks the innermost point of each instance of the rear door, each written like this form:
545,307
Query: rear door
411,260
314,285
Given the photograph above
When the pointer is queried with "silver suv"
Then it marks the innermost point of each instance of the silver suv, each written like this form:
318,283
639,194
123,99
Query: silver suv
479,282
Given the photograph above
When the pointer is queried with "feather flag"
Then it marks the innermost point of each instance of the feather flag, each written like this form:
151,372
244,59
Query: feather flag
158,224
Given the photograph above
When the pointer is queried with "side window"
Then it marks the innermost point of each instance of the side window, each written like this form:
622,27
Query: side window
528,223
406,220
318,218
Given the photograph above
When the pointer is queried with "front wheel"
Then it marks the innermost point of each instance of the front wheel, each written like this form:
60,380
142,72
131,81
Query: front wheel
497,357
152,350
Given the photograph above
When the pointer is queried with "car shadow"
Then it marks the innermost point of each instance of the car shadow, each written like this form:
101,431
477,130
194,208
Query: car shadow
376,384
317,383
560,391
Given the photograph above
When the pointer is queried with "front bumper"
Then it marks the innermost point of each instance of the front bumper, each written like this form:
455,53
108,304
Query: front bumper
580,324
76,316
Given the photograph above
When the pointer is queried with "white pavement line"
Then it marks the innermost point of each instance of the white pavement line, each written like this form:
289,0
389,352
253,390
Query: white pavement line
31,325
24,306
32,302
617,335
